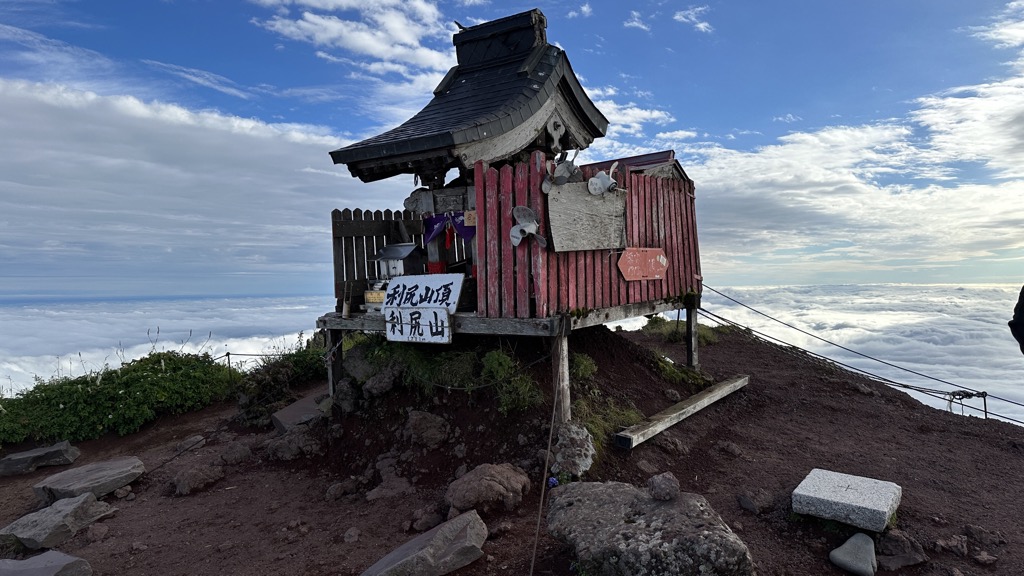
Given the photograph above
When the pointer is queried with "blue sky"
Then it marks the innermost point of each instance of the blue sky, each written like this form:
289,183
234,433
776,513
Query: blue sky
181,147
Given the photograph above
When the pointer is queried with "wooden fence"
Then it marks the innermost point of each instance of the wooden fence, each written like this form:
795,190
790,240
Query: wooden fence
359,234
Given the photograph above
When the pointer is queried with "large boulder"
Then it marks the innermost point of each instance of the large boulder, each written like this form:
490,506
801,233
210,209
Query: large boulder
54,524
444,549
488,486
49,563
619,529
24,462
100,478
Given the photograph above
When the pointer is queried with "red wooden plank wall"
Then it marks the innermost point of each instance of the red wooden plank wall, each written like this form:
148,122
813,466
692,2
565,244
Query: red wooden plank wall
528,281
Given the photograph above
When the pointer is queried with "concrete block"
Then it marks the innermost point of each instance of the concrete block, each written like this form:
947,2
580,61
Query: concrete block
862,502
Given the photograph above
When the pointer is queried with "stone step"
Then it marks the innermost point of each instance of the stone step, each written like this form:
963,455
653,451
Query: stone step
862,502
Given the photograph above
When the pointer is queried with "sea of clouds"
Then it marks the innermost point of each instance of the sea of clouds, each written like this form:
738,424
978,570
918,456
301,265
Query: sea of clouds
954,333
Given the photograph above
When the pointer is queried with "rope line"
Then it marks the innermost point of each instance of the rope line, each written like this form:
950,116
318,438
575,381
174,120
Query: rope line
890,364
948,396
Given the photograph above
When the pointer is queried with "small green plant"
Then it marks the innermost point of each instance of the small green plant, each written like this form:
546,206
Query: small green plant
603,417
516,389
581,366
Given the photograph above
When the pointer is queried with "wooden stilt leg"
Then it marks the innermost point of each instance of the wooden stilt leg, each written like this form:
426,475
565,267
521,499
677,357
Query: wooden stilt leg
560,377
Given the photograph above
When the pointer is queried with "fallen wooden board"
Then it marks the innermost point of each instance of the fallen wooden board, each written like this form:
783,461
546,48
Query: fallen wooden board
634,435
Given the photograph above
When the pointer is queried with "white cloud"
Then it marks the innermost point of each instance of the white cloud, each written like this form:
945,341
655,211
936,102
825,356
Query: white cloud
202,78
1007,31
788,118
980,123
676,135
585,11
150,197
693,15
629,119
636,21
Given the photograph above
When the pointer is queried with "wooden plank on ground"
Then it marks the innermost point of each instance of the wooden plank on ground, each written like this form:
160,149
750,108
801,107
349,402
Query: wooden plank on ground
634,435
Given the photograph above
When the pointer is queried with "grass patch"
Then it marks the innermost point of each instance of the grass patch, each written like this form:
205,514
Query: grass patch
675,331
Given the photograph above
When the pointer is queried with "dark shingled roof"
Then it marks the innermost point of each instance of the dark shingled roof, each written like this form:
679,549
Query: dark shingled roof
506,71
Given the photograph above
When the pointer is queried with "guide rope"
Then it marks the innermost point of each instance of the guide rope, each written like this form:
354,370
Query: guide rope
948,396
890,364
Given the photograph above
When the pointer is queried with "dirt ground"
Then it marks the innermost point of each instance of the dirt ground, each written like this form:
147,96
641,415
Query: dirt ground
796,414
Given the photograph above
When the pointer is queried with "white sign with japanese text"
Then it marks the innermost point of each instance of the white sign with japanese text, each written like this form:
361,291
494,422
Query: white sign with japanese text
419,308
424,290
422,324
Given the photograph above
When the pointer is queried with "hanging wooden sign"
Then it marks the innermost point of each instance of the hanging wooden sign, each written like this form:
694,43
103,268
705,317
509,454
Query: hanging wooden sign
643,264
580,220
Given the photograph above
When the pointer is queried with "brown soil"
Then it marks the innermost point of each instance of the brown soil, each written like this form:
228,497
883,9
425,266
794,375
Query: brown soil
796,414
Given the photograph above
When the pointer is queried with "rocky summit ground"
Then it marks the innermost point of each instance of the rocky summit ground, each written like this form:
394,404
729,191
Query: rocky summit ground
960,476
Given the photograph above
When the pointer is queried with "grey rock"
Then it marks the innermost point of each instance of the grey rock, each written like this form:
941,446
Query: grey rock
426,518
191,443
345,395
646,467
898,550
382,382
357,363
122,492
426,429
983,537
301,412
664,486
954,544
49,563
445,548
461,470
100,478
756,501
352,535
574,451
59,454
856,555
488,486
297,442
984,558
343,488
194,479
618,529
54,524
390,487
672,395
235,453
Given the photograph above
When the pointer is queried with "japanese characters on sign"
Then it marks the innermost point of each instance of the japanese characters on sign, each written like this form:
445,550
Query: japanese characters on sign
431,325
419,308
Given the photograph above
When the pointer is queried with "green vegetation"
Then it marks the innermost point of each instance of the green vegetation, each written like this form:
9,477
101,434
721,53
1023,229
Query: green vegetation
516,389
467,370
600,415
673,331
122,400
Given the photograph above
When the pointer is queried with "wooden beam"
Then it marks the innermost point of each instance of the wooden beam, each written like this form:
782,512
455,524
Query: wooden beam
462,323
560,378
634,435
